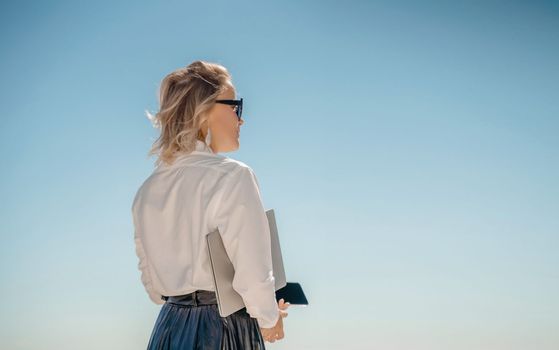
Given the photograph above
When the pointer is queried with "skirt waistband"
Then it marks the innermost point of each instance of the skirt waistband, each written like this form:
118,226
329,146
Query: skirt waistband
199,297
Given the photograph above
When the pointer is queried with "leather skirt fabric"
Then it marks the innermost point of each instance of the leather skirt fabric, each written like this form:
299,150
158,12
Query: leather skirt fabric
192,321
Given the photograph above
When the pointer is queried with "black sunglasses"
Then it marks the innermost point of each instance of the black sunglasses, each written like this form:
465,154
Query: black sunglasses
238,103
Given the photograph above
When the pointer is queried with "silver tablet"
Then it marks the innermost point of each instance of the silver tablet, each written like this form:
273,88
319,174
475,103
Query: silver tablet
229,301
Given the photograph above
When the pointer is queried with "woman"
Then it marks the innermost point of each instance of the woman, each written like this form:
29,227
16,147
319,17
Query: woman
192,191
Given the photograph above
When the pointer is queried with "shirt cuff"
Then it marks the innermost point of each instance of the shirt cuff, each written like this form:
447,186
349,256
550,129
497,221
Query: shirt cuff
268,322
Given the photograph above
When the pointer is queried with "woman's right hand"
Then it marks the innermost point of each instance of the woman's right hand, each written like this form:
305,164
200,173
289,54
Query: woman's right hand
276,332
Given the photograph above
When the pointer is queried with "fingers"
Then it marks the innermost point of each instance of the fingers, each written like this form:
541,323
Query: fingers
282,304
270,338
271,335
273,338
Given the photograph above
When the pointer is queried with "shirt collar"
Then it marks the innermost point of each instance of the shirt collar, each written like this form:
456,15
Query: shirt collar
201,146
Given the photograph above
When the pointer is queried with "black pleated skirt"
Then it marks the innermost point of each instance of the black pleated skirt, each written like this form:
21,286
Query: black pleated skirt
192,321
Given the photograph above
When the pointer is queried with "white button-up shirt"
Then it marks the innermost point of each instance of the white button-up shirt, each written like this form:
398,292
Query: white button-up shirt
174,209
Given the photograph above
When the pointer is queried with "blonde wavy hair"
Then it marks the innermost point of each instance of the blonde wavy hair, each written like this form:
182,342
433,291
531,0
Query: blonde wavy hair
185,97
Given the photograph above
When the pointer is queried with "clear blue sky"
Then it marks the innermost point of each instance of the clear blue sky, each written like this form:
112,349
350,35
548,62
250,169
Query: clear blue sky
410,150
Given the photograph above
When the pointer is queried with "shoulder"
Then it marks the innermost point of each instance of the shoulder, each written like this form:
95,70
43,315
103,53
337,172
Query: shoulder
214,168
230,165
217,163
235,169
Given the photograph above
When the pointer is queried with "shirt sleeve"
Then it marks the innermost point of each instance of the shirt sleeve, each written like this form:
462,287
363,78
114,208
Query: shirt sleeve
145,276
243,225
